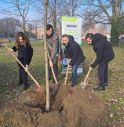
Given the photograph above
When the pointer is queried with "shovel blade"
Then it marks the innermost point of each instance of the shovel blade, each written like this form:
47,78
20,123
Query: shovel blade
83,85
38,89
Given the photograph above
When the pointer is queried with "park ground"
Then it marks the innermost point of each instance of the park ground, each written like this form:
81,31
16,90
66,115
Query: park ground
113,97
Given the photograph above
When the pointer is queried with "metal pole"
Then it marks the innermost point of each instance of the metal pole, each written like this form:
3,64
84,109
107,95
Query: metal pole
46,59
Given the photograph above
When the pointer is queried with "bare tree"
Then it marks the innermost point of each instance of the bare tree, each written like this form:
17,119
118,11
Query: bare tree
8,27
20,8
106,12
58,8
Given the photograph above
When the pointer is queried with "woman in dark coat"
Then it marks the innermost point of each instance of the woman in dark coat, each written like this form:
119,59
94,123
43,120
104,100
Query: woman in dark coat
22,46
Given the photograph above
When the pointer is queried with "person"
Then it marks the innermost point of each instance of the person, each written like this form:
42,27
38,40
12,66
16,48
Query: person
22,46
74,52
53,49
104,54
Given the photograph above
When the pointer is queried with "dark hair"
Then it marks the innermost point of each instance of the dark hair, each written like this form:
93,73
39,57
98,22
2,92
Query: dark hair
24,37
89,35
71,38
65,35
49,26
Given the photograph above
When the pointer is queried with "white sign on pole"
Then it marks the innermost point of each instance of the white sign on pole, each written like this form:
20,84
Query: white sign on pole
72,26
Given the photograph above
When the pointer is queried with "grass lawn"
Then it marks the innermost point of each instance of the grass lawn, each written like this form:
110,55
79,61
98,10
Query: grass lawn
113,96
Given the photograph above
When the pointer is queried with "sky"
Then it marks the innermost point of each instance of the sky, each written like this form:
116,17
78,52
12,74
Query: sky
2,6
5,8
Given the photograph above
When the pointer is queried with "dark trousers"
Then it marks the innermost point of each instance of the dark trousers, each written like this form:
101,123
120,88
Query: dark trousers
103,74
74,74
23,78
55,69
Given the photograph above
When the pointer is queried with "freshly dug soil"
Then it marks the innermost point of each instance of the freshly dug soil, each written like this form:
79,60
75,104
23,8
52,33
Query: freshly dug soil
69,108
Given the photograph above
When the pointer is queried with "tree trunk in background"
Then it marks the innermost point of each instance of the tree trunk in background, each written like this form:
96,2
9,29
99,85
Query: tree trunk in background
114,32
54,15
116,12
23,25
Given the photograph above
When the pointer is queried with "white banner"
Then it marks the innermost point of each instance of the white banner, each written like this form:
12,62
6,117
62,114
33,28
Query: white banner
72,26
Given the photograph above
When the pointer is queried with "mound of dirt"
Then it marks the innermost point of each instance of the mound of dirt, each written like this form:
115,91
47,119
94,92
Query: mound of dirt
69,108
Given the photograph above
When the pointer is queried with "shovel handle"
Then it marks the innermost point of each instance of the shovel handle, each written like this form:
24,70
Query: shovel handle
88,73
54,75
83,84
53,71
66,77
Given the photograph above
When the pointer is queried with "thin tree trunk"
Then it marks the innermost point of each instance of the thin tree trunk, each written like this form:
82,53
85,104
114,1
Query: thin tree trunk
46,60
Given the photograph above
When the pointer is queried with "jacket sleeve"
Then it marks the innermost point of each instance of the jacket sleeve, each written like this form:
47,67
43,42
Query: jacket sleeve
99,51
26,55
14,48
74,55
54,48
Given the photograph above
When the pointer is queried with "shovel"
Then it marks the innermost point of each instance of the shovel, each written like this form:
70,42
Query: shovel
84,84
53,71
66,77
38,87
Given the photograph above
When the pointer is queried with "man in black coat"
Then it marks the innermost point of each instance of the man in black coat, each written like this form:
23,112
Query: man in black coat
73,52
104,54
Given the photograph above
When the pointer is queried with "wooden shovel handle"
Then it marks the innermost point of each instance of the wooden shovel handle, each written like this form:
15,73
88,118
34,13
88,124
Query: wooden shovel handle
53,71
66,77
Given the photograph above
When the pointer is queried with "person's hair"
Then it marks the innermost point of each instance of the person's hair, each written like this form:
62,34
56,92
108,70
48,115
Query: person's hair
65,35
71,38
89,35
24,37
49,26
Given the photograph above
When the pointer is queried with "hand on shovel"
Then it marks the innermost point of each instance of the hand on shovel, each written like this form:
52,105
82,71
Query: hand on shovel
11,50
51,63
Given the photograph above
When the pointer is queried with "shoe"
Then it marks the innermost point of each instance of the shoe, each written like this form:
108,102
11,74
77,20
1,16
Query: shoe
73,85
20,84
99,88
106,84
97,84
25,87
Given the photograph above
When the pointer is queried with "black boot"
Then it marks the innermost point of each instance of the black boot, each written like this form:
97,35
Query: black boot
106,84
99,88
25,87
20,84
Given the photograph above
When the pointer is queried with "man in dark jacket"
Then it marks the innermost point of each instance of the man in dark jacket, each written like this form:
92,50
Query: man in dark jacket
73,52
104,54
